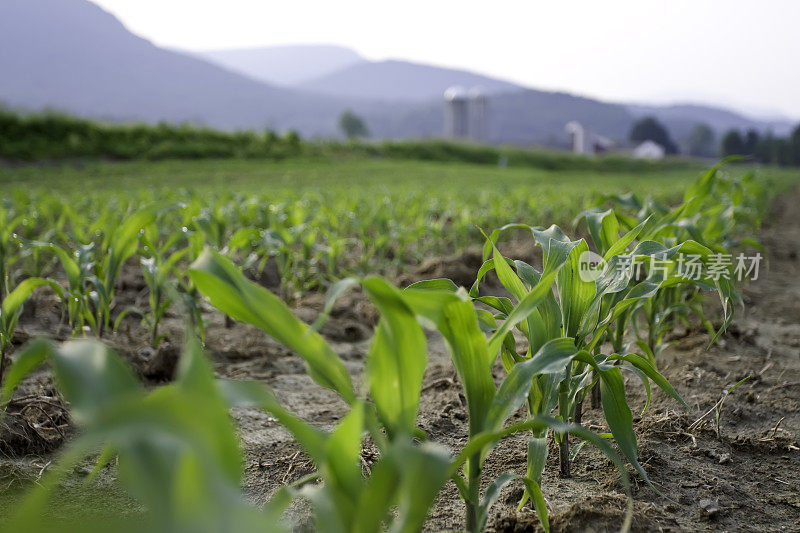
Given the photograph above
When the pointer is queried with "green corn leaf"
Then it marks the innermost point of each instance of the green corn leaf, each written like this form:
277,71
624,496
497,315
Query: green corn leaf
70,266
486,321
228,290
425,470
643,364
125,241
521,312
546,320
539,503
336,291
343,453
90,377
552,358
619,418
397,358
439,284
382,487
13,302
30,357
575,294
623,242
556,245
501,303
603,227
537,458
478,442
486,267
507,277
469,351
177,448
195,377
491,495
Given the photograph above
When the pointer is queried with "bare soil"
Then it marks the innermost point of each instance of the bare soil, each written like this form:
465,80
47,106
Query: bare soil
740,475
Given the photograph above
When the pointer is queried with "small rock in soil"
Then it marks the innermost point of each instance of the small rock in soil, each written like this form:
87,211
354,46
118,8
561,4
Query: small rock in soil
709,509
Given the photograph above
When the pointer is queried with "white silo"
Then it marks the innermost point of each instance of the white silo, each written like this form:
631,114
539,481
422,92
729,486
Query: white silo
578,136
478,115
456,118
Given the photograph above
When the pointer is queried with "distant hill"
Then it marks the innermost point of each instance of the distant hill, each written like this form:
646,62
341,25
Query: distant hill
401,81
73,56
285,65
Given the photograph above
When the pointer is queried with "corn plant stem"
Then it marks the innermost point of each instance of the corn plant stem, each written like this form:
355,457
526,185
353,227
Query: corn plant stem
595,394
652,328
563,438
3,350
3,281
579,412
597,402
473,486
619,334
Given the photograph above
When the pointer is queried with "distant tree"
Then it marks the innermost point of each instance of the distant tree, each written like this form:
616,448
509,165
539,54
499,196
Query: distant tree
783,152
352,125
270,137
292,141
751,140
701,141
793,148
650,129
732,144
766,150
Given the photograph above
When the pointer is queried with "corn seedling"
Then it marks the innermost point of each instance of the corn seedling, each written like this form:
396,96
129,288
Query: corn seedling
451,311
158,265
10,310
9,253
716,212
176,448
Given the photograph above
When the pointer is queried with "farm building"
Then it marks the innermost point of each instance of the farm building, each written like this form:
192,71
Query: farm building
585,141
649,150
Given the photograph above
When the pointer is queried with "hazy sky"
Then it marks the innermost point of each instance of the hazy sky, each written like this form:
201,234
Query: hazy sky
728,52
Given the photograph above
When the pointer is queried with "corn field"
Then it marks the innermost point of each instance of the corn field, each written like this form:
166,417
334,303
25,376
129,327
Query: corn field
532,341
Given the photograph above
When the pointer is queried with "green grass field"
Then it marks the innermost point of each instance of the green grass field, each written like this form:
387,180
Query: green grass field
255,176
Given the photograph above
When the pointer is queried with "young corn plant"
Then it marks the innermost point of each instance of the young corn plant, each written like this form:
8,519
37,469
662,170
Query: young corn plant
715,213
176,450
407,475
121,242
158,269
395,366
583,311
11,309
452,313
78,268
9,248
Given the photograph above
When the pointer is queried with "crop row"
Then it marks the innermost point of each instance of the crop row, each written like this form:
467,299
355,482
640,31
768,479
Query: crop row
303,242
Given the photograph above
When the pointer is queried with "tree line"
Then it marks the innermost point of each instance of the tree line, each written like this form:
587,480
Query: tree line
768,148
763,148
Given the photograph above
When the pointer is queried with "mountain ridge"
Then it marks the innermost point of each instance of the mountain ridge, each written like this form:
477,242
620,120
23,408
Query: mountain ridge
286,65
72,56
405,81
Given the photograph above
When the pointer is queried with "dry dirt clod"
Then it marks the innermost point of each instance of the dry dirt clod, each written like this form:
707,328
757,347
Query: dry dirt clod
160,364
709,509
